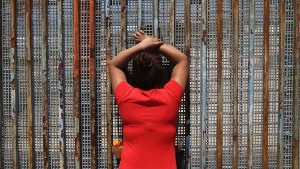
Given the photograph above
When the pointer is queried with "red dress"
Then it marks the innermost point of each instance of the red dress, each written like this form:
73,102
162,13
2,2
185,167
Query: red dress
149,125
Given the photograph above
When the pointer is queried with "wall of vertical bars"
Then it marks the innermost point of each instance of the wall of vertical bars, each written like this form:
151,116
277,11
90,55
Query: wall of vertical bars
240,110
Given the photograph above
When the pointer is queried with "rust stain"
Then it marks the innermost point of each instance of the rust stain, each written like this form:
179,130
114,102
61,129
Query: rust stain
235,81
266,84
204,38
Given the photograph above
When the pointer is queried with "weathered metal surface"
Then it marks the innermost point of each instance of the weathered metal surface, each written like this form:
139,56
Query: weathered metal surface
266,75
44,59
250,108
93,87
123,24
77,85
172,22
155,18
219,85
235,81
140,26
108,87
30,97
14,84
296,86
203,83
61,86
1,89
187,14
281,86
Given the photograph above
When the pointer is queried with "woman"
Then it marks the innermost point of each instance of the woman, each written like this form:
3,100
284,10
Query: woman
148,108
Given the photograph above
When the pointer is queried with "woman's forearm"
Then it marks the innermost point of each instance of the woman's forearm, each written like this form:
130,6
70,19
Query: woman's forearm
124,56
172,54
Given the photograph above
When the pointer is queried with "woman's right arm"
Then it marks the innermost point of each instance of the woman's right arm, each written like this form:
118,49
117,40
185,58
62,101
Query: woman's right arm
180,71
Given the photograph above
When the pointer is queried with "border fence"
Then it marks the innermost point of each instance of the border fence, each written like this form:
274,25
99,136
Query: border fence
240,109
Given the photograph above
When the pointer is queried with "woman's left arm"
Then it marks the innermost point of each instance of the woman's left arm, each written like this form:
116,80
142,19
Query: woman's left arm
123,57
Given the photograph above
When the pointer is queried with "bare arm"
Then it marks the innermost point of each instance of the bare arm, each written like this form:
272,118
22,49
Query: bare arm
123,57
181,64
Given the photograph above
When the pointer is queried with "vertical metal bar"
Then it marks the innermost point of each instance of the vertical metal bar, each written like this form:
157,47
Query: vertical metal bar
219,86
172,22
14,84
187,30
61,86
281,85
108,87
1,90
44,61
296,87
140,26
203,83
123,24
155,17
29,68
93,87
266,83
250,86
77,85
235,81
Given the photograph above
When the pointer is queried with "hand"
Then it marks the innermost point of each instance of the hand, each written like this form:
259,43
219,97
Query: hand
117,151
139,36
149,43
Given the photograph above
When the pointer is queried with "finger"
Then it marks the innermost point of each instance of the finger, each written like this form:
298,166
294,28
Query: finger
142,32
138,34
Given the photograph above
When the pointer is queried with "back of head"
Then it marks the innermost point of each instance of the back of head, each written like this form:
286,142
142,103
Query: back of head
148,72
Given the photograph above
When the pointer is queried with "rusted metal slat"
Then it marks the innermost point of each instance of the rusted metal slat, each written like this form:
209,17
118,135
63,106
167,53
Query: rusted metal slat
30,97
219,86
77,85
281,85
108,87
250,108
155,18
93,87
296,86
61,86
203,83
14,83
187,15
235,81
44,60
266,84
140,26
172,22
1,90
123,25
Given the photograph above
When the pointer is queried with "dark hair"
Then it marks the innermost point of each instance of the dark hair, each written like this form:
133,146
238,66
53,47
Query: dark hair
148,71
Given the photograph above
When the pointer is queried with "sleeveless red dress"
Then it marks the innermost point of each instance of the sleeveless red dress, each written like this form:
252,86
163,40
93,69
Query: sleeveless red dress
149,125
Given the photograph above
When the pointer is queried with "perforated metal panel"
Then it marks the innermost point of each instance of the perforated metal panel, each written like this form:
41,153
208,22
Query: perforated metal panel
199,115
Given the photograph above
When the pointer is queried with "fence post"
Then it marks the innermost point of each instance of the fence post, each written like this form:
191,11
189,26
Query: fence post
250,108
219,85
281,85
14,83
108,87
77,99
296,87
235,81
30,94
203,84
265,155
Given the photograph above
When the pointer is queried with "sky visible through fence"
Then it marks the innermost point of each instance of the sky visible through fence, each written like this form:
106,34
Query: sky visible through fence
240,109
